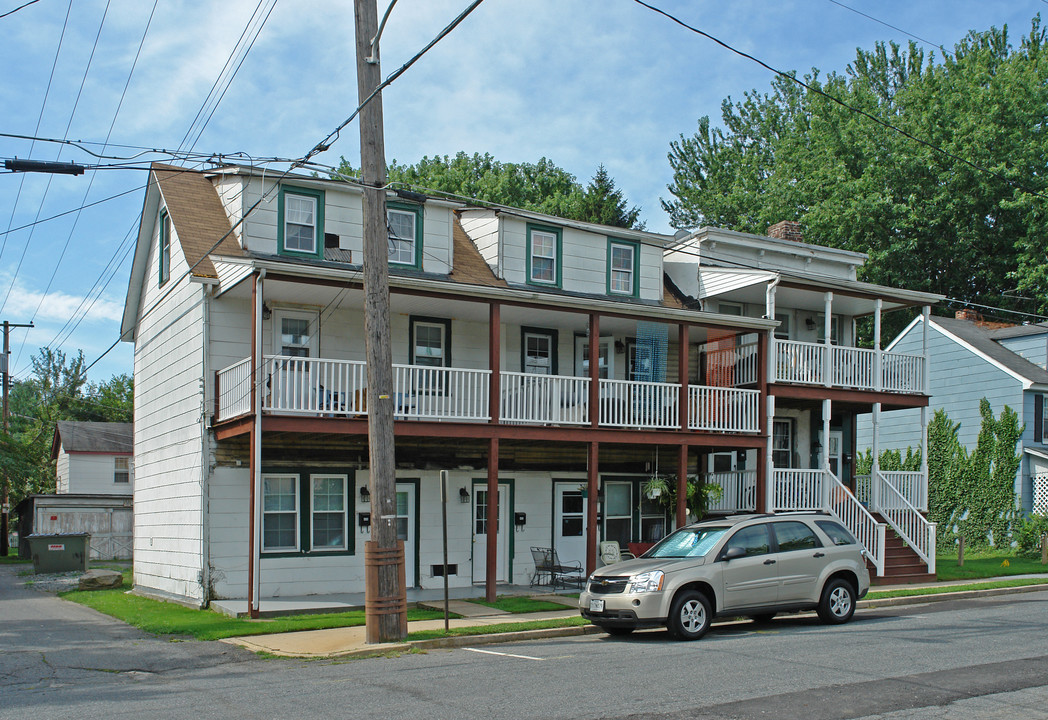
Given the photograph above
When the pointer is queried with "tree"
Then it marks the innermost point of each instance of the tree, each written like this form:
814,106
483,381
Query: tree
929,220
542,186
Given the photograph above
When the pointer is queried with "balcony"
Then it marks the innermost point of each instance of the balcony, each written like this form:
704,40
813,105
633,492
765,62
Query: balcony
835,366
316,387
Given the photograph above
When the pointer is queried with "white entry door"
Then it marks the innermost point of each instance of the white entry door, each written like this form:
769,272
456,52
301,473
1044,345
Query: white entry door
833,451
605,360
569,522
481,527
406,524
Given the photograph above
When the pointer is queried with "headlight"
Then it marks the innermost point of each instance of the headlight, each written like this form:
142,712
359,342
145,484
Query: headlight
646,582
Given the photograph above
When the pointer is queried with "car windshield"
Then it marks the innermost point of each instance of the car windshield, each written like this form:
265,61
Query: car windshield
687,543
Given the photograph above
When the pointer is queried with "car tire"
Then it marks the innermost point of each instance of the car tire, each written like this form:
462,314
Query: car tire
763,618
690,616
838,602
616,631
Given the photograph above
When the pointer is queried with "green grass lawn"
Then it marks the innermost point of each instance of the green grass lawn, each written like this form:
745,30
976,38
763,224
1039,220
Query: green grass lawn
500,628
166,618
12,557
985,565
518,605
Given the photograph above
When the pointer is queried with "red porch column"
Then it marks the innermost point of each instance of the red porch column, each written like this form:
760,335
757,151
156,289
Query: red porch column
682,374
682,486
594,372
494,361
591,506
491,569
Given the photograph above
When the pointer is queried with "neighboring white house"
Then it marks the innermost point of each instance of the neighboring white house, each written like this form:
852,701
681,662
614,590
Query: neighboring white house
971,359
94,469
251,396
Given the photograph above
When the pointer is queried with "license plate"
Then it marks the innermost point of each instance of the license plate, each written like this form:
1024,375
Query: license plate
596,606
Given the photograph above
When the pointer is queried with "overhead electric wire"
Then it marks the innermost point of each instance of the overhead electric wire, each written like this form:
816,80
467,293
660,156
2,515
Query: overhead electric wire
20,7
889,25
811,88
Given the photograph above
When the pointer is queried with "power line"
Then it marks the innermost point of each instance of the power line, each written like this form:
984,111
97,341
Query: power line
893,27
20,7
792,78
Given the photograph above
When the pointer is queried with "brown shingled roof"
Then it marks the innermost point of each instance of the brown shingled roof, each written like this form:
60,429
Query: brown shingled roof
470,266
196,211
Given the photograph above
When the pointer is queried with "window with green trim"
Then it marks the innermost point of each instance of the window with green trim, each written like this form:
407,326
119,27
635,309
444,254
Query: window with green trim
623,257
165,247
300,221
544,256
405,233
280,513
306,512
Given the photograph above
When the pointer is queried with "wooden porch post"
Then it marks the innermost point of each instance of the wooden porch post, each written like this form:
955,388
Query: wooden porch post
491,569
682,375
594,370
682,485
494,362
764,364
592,467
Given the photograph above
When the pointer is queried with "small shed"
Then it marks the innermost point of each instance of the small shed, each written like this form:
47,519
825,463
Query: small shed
109,519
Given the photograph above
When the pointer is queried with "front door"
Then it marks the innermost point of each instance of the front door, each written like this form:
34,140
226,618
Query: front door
605,359
481,527
569,522
834,452
406,528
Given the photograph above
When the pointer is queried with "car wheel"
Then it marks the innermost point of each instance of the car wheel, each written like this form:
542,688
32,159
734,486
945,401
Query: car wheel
838,602
617,631
763,618
690,616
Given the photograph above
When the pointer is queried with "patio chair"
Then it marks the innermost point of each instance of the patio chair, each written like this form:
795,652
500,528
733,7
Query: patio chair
611,553
549,570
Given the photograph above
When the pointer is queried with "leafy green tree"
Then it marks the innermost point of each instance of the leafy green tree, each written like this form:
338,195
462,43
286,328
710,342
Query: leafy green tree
928,220
541,186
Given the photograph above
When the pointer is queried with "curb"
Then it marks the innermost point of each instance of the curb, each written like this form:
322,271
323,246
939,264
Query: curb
940,597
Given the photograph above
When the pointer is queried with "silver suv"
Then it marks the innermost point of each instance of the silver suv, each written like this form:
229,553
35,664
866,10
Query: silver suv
749,565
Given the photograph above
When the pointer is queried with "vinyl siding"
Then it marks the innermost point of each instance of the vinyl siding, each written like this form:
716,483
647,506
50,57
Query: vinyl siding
1031,347
93,473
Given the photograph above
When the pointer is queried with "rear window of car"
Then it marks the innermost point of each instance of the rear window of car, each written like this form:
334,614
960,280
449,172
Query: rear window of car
687,543
836,532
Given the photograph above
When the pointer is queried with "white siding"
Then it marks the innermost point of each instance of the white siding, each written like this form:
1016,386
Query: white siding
230,189
168,432
93,473
482,227
62,471
1030,347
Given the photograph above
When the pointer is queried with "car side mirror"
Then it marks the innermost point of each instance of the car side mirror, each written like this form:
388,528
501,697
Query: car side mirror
733,553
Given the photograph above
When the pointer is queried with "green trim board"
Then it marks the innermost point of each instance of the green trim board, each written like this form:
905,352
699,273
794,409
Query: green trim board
634,291
446,322
305,512
557,257
553,334
511,539
417,211
318,230
417,482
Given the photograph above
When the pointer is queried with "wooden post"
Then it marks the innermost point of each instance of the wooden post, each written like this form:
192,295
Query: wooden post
1044,549
494,362
384,568
682,376
594,370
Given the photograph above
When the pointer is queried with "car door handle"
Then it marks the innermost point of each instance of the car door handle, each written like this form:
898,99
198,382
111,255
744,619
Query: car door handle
819,554
769,561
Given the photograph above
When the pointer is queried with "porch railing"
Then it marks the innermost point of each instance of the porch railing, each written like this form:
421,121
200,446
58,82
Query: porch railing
639,404
719,409
546,399
808,363
440,393
798,490
234,390
911,485
311,386
915,530
739,490
732,367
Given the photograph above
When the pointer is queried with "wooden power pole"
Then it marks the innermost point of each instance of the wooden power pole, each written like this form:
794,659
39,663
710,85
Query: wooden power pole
385,595
5,370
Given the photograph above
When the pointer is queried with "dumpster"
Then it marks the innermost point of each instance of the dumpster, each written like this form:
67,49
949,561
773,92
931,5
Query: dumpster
65,552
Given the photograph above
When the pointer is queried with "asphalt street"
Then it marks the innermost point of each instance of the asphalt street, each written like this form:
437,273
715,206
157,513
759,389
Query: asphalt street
981,658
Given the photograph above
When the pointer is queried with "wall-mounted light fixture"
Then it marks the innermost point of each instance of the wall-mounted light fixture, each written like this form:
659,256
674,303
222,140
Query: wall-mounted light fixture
463,495
810,323
266,312
365,494
620,347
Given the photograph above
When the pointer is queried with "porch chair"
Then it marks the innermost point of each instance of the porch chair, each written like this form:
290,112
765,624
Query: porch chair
549,570
611,553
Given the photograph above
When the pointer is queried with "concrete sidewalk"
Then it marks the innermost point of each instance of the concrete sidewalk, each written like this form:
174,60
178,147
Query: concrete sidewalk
349,642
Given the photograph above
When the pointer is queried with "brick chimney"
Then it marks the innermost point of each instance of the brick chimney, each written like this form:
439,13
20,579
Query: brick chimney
967,314
787,230
977,318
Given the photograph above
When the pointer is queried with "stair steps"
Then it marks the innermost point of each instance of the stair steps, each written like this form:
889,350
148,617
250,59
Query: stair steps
901,564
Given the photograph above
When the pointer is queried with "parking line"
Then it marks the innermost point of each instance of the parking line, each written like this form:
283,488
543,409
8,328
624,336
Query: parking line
492,652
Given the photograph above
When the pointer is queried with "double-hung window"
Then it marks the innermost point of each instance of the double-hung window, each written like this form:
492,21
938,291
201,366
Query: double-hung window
405,234
543,256
280,517
540,351
622,268
164,269
328,508
430,348
300,221
618,512
122,470
782,443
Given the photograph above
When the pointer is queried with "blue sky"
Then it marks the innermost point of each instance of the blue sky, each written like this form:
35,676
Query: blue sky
581,83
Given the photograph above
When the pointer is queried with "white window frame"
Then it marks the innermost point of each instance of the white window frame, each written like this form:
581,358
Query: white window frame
551,257
443,343
297,512
548,338
124,471
628,272
344,512
288,196
312,318
401,245
164,269
788,424
608,484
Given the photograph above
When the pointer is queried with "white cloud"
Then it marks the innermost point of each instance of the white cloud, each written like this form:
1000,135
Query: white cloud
56,306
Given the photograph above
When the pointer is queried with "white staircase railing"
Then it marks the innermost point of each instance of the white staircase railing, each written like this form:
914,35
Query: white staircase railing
911,485
915,530
738,490
821,490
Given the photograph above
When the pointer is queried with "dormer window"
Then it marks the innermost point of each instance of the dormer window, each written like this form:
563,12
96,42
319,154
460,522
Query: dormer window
405,234
300,221
623,257
543,256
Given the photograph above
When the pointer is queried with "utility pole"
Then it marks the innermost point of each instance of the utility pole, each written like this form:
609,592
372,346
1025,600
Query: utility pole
385,602
5,369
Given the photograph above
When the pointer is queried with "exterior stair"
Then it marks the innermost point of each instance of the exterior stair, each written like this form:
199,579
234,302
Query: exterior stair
901,564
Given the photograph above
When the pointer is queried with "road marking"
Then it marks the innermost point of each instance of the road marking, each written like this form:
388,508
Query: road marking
492,652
